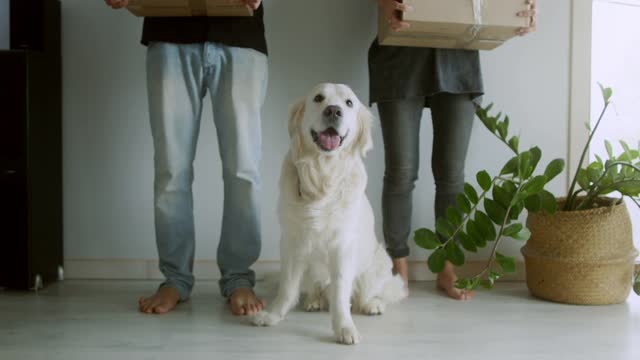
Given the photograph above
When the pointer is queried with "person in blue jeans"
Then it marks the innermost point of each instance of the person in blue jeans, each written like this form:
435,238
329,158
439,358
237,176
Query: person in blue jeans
188,57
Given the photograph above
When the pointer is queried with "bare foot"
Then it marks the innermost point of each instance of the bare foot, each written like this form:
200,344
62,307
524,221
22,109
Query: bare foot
447,283
401,267
163,301
244,301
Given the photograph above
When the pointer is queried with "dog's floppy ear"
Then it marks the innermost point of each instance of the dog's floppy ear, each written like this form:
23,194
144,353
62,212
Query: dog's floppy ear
295,116
364,142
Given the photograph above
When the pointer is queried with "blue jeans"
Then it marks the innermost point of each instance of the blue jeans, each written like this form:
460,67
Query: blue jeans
178,78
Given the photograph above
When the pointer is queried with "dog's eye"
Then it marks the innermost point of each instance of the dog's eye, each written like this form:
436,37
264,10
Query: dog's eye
349,103
318,98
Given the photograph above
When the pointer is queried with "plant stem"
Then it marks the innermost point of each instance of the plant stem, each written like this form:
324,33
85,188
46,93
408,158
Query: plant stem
594,193
594,188
472,211
571,199
504,142
499,236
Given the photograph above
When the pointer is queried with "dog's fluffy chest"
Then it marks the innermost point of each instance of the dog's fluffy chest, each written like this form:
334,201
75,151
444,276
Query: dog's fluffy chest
321,206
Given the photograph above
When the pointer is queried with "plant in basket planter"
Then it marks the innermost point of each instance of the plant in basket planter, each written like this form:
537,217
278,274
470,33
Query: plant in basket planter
578,249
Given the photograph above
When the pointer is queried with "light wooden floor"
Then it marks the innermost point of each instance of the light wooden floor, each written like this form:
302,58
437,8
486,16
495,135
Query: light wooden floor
98,320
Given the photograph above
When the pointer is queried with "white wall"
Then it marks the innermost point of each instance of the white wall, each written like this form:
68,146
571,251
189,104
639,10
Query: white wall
4,24
108,149
615,64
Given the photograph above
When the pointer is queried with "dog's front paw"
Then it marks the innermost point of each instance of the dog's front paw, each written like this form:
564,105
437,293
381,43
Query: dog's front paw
348,335
373,307
265,318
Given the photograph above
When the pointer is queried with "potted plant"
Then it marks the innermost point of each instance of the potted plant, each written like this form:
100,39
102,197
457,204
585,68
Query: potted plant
578,248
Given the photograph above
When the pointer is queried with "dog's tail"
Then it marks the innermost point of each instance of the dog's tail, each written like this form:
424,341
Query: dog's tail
394,290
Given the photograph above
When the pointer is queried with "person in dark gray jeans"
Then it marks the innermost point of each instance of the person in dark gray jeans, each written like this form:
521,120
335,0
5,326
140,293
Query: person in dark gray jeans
403,81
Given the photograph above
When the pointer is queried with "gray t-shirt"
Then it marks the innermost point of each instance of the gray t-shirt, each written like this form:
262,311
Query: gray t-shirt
397,72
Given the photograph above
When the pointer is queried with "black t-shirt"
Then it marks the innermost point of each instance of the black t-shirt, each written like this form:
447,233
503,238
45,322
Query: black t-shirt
238,31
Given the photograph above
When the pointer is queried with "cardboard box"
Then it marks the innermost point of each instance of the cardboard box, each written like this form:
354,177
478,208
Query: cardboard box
459,24
187,8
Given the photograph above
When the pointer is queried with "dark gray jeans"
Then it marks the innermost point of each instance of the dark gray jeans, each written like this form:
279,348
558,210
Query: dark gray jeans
452,116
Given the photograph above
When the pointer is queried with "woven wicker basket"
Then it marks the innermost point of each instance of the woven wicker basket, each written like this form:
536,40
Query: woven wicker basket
581,257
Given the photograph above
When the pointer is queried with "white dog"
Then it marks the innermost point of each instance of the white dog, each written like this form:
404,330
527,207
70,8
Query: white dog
328,249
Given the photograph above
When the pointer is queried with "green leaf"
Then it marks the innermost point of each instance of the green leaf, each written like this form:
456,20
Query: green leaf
626,157
475,234
583,179
488,121
609,148
548,202
444,228
536,155
512,229
594,171
510,187
636,284
516,210
484,180
437,260
471,193
554,168
628,171
467,284
533,203
490,281
625,146
628,187
503,129
523,164
463,203
454,217
466,242
487,284
606,93
502,196
426,239
462,283
496,212
454,254
523,235
514,142
473,284
511,167
508,264
535,185
485,226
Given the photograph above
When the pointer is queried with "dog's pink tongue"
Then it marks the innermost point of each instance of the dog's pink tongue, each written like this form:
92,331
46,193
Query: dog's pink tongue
329,139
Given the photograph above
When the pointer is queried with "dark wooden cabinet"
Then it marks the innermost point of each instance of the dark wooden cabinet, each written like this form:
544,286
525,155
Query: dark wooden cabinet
31,147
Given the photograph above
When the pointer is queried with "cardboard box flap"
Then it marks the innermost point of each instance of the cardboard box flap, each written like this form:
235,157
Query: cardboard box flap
187,8
493,12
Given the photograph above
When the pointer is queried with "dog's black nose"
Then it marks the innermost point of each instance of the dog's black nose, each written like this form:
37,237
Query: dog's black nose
333,111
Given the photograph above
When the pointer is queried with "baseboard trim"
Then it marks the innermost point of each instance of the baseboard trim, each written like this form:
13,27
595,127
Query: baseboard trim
133,269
